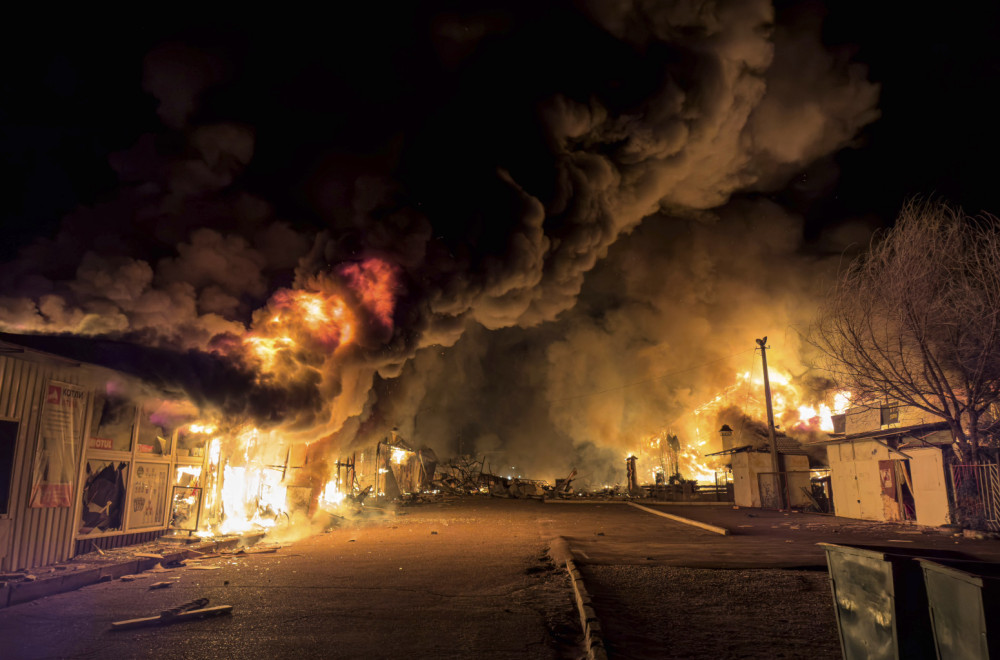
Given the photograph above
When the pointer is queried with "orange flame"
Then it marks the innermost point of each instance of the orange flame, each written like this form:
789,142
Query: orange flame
319,319
375,283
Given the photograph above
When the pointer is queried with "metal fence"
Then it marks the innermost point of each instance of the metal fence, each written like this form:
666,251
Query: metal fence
977,495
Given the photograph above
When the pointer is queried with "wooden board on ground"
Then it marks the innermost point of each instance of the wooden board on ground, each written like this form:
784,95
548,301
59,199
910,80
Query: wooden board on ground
183,616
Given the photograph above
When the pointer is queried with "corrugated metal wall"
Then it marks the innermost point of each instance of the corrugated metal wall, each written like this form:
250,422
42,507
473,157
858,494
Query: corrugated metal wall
34,536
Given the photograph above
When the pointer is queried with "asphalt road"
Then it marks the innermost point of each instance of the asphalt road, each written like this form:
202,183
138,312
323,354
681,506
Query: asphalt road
471,579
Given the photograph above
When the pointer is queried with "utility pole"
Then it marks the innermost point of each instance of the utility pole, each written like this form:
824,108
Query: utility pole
770,425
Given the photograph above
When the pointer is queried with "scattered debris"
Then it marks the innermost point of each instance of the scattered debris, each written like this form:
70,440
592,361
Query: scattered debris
99,551
130,578
158,569
161,585
198,567
195,609
979,535
150,555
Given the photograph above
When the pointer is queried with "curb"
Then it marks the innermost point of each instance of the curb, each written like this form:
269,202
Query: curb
560,552
588,617
687,521
15,593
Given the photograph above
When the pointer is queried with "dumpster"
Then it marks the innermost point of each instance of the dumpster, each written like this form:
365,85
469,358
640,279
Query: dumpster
880,600
964,601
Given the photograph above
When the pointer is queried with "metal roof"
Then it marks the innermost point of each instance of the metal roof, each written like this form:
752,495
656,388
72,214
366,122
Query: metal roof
884,433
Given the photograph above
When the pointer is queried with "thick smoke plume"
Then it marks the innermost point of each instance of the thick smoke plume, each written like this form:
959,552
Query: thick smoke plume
548,195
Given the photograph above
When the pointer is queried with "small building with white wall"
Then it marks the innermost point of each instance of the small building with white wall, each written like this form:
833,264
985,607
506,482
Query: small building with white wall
889,463
754,476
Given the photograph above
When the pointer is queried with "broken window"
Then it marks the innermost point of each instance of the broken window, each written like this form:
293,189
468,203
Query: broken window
112,422
103,496
155,433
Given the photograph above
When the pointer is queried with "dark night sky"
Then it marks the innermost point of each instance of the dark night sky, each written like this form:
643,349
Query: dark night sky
500,155
71,95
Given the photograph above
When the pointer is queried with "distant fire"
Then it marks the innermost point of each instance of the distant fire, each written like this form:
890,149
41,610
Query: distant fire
696,433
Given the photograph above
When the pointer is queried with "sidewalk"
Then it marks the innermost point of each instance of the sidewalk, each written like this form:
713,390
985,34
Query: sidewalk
761,527
609,533
93,567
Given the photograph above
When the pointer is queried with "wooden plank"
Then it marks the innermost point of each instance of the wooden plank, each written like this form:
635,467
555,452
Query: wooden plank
177,618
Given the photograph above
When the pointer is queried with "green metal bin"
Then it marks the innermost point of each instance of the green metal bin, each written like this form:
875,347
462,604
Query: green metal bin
880,601
964,602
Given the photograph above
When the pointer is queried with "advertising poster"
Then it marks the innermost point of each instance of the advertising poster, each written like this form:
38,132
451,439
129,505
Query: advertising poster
149,494
59,430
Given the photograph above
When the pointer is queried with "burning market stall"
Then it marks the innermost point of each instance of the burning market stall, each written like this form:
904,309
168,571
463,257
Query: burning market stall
91,457
84,461
393,469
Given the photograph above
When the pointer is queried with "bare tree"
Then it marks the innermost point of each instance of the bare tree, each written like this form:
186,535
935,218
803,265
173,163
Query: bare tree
916,319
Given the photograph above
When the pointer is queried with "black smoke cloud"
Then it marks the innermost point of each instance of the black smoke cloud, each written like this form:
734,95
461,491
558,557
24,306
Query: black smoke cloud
496,154
663,324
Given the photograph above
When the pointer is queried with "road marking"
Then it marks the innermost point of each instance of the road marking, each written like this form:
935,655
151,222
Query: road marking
687,521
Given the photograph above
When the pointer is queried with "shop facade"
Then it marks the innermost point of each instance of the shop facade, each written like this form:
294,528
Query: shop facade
88,459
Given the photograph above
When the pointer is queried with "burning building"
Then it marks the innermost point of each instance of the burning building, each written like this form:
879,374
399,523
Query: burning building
500,263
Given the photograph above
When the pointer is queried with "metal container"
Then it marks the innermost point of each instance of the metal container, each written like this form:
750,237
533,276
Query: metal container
964,601
880,601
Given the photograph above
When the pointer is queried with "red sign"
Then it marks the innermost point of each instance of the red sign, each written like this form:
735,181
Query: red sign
101,443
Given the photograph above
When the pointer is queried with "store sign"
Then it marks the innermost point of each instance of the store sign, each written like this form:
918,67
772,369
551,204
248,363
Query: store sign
149,495
59,430
102,443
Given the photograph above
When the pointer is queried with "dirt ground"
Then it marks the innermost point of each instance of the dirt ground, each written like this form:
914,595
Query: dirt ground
697,613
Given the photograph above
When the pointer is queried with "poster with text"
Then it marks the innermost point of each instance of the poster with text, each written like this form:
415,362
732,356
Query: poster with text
59,430
149,495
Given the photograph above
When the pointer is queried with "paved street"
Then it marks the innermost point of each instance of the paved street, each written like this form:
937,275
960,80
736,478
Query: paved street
471,579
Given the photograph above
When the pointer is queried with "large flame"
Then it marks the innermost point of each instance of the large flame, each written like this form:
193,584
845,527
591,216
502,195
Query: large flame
318,320
794,410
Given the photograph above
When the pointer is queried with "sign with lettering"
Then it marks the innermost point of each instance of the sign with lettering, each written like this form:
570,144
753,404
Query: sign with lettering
102,443
59,430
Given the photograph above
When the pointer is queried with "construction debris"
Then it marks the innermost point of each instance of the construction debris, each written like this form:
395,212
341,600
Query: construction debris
161,585
189,611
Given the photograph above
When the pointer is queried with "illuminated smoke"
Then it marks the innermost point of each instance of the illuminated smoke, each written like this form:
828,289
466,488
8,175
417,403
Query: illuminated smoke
567,184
